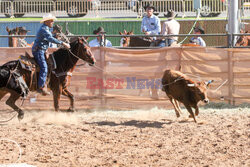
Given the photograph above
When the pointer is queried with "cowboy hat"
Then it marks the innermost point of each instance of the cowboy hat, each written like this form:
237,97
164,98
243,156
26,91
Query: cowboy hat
199,28
99,30
171,14
22,29
149,6
47,17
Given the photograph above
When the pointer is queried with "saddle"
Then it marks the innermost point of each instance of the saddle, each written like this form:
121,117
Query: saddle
28,63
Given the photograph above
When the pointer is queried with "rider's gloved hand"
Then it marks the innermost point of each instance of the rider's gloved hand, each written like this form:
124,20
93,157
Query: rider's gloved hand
66,45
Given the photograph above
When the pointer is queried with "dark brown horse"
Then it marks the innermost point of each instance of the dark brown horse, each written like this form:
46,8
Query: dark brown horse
12,40
134,41
243,40
59,78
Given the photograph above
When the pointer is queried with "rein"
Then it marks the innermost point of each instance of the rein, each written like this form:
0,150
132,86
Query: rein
93,65
11,72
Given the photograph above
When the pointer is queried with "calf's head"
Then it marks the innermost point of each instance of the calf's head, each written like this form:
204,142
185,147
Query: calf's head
200,90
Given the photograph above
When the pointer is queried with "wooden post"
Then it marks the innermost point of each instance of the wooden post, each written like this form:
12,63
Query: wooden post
232,74
102,66
230,77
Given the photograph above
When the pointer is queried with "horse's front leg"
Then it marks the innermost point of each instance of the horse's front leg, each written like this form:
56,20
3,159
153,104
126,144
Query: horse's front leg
56,97
11,102
67,93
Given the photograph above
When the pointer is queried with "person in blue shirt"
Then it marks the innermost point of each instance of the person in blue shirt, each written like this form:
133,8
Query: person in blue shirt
40,46
197,39
151,24
99,42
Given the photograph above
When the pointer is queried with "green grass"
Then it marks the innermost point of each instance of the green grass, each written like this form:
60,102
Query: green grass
27,19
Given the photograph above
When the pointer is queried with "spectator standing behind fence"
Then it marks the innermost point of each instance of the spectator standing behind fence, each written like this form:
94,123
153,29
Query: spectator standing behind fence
151,24
197,39
100,41
170,27
21,42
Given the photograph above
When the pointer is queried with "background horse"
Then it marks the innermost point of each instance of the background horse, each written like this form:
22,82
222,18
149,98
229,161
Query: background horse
12,40
59,78
133,41
243,40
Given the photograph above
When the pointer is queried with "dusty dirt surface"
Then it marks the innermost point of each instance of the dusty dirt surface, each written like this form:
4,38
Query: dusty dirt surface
129,138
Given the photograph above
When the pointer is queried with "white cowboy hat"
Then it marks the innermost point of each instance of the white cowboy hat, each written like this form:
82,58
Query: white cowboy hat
48,17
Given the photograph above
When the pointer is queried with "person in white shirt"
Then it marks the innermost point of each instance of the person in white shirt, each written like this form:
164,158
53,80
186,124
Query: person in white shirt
151,24
170,27
197,39
97,42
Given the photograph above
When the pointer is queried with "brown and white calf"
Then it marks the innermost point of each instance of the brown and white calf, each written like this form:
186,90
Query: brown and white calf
179,88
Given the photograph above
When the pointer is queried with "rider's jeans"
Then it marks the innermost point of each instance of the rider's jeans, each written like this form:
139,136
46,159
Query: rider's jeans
166,42
39,55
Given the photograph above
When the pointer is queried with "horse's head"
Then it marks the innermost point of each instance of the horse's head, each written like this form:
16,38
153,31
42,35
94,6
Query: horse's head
13,31
125,40
12,40
243,40
83,50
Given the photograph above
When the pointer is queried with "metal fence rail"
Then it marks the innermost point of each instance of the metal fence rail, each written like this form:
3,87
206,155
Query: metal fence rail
165,36
18,8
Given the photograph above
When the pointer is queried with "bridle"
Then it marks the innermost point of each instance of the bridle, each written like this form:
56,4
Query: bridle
78,50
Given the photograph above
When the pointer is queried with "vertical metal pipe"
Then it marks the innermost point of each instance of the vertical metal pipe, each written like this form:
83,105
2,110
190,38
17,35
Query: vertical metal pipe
233,23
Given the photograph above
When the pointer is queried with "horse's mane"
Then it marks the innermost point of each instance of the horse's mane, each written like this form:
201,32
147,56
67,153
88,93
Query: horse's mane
11,64
62,55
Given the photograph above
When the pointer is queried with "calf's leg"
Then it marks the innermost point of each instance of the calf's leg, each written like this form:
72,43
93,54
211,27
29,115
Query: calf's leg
190,111
175,108
196,110
178,106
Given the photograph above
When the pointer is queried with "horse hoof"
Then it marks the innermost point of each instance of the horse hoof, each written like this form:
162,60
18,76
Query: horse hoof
20,116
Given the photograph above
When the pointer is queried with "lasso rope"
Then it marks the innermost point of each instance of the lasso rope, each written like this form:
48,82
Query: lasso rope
197,18
19,147
4,121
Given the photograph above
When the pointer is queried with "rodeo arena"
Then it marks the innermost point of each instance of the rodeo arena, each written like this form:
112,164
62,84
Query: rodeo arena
124,83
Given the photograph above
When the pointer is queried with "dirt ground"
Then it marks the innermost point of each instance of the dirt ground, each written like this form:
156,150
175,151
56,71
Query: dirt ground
129,138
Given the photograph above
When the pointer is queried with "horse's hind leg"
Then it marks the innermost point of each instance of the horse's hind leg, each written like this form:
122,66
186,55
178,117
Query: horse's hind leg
11,102
67,93
2,94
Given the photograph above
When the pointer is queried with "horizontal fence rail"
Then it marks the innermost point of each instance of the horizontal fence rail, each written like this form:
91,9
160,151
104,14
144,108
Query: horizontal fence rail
163,36
18,8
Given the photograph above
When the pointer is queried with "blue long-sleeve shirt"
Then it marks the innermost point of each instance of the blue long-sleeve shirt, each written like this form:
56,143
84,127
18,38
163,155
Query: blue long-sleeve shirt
44,37
151,24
